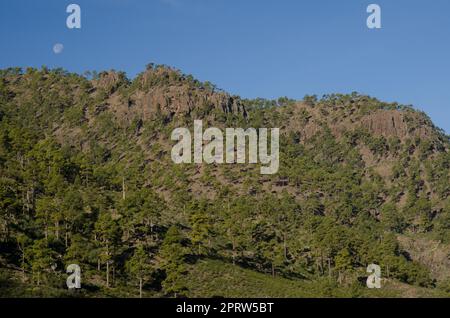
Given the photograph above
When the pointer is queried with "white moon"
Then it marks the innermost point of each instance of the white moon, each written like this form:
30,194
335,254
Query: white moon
58,48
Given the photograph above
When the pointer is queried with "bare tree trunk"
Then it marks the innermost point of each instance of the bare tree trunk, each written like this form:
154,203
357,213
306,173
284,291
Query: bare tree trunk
107,274
123,188
321,263
23,203
28,201
140,287
57,229
329,267
113,275
234,252
22,266
66,239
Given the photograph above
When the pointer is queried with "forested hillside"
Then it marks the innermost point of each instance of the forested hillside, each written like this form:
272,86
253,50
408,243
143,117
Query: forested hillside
86,178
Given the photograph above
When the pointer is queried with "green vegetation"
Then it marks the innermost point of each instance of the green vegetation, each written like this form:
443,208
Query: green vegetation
86,178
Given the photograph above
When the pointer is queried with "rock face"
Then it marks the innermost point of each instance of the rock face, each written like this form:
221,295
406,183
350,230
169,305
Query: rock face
432,254
109,81
183,100
386,123
394,123
308,121
165,91
161,90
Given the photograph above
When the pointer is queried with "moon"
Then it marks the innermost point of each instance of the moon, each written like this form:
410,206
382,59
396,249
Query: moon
58,48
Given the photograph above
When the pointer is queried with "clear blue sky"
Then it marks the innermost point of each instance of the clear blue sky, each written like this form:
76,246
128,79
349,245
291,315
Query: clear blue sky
253,48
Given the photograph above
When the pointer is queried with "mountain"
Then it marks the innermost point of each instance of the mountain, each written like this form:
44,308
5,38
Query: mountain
86,178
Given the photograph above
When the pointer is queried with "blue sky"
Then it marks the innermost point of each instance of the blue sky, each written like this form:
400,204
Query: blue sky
253,48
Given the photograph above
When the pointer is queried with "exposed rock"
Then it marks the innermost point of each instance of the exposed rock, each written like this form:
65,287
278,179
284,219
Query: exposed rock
432,254
167,92
387,123
109,81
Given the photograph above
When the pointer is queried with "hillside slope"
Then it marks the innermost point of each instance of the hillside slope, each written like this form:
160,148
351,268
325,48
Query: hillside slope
86,177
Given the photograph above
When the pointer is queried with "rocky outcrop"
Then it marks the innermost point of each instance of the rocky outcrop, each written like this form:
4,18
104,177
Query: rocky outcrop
386,123
396,123
109,81
183,100
432,254
380,122
166,91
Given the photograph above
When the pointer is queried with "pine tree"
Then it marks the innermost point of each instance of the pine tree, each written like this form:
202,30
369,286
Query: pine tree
79,251
22,243
108,234
72,211
173,253
139,266
343,263
201,229
41,259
